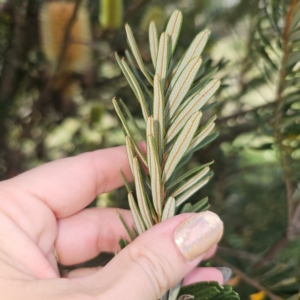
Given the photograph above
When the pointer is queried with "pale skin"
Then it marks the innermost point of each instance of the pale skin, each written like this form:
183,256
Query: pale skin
44,208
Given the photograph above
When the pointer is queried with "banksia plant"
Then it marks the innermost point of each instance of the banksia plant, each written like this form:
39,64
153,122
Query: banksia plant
173,100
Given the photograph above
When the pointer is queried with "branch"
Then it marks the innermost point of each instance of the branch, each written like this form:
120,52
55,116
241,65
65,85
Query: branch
247,279
242,113
64,48
66,39
237,253
278,113
268,257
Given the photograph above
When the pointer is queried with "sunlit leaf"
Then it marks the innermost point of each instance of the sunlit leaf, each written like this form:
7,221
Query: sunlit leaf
169,209
163,58
136,53
188,174
130,152
141,194
158,116
128,131
203,133
194,50
155,175
191,191
181,87
136,214
174,27
191,182
181,145
195,103
153,43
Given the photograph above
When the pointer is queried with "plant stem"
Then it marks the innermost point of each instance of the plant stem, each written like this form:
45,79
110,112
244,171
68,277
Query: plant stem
277,110
247,279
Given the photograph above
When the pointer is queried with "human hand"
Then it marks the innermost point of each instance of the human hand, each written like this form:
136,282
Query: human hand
44,208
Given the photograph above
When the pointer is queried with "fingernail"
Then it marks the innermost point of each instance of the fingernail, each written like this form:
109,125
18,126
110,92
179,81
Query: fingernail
226,272
198,234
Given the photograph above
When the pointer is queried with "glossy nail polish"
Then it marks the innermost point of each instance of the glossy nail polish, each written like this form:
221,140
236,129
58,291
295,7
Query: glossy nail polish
198,234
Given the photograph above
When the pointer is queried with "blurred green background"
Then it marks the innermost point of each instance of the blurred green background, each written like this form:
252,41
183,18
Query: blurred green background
255,188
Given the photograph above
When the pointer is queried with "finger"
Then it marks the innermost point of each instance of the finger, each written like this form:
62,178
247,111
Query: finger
68,185
204,274
84,235
160,257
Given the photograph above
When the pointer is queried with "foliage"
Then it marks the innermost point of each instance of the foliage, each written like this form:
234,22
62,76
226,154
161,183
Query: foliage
254,187
172,113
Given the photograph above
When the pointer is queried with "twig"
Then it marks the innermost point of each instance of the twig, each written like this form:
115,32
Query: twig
277,110
236,253
66,39
295,223
247,279
242,113
63,50
272,251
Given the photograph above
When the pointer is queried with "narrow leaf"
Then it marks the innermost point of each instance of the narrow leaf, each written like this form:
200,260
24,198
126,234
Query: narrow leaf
150,126
206,141
125,182
141,194
163,58
191,182
132,237
128,131
194,104
191,191
174,27
194,50
165,296
155,176
158,116
136,73
136,53
134,85
201,205
149,132
182,86
209,106
169,209
181,145
174,291
202,82
189,173
130,151
186,208
135,214
294,57
153,43
203,132
122,243
131,118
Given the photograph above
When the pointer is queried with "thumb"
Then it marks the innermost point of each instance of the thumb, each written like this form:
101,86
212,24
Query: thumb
159,258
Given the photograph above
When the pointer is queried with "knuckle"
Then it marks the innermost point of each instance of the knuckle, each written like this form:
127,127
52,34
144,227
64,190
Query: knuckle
154,266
